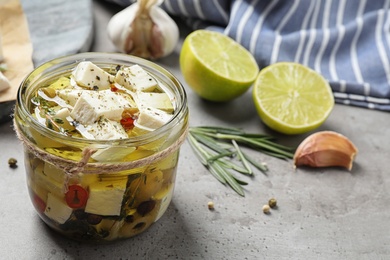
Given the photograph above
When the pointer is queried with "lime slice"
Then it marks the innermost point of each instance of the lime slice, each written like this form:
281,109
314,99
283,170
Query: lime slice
215,66
291,98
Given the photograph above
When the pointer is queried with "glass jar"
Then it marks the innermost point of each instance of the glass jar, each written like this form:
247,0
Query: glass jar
113,198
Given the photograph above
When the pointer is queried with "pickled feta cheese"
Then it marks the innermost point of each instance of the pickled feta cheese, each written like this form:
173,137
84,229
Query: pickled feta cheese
105,129
90,76
112,153
44,183
70,96
105,198
136,78
92,105
57,209
53,172
152,118
156,100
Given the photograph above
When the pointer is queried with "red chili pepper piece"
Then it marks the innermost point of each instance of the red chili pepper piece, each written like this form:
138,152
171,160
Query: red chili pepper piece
76,197
39,204
114,88
127,123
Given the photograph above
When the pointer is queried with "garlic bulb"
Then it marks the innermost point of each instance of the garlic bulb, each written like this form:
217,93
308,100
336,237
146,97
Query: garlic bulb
325,149
143,29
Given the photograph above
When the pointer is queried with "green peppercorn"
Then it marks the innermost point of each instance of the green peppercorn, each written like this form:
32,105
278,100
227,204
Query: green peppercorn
272,203
12,162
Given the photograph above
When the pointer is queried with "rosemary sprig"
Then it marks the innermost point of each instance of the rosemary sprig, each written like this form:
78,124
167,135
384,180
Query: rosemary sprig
255,141
218,149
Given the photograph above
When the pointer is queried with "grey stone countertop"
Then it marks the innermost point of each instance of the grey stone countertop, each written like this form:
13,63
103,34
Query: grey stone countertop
323,214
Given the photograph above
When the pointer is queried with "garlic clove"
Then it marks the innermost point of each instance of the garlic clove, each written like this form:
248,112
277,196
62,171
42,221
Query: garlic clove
143,29
325,149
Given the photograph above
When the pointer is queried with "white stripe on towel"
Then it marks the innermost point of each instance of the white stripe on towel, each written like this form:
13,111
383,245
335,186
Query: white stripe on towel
325,40
182,8
387,24
222,12
233,14
340,35
278,37
168,6
380,45
258,27
303,31
244,20
198,9
354,55
312,34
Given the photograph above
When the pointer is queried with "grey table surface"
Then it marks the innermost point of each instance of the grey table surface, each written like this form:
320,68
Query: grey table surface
322,214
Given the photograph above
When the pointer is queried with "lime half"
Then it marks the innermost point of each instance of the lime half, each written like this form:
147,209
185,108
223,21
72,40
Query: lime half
291,98
215,66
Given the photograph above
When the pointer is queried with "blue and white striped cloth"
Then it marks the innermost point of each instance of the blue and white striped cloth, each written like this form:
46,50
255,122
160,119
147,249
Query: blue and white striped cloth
347,41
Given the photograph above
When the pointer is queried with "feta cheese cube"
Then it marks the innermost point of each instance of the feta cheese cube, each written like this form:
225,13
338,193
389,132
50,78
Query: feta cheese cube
45,182
151,118
86,179
57,209
69,95
94,104
125,100
156,100
54,173
135,78
111,154
105,198
90,76
105,129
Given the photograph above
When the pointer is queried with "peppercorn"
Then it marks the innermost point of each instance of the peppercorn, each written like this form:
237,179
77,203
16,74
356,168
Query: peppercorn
12,163
272,203
94,219
266,209
146,207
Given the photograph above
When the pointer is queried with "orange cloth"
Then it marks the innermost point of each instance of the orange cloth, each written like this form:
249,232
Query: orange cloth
16,45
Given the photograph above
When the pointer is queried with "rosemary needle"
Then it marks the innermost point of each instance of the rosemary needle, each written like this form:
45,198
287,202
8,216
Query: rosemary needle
242,158
216,157
218,147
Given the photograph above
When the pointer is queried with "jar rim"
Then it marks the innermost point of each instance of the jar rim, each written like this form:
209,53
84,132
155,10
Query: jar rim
105,58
